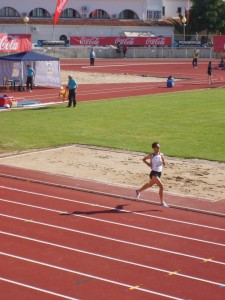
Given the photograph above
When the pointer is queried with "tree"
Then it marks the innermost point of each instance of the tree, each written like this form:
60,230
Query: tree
178,25
207,15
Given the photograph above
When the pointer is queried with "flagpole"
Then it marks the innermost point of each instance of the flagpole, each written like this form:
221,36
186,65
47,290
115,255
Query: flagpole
53,32
188,11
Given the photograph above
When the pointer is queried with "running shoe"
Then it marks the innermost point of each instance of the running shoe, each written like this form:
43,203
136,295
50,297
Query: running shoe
138,194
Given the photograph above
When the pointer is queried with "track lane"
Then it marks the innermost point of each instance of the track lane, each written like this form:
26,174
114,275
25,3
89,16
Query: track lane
31,223
48,192
84,224
108,271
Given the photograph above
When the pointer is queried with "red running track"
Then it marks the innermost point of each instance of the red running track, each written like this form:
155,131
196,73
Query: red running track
190,79
69,244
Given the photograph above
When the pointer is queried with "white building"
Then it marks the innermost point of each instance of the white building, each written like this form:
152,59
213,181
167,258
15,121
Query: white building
172,7
89,17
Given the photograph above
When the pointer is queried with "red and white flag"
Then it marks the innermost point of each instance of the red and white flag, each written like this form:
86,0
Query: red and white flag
59,8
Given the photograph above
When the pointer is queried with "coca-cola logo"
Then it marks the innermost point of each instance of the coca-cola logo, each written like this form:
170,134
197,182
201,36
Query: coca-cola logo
125,41
93,41
128,41
160,41
9,43
60,5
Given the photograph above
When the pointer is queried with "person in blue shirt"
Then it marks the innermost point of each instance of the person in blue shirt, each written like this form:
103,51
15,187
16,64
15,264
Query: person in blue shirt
72,87
170,82
30,75
92,57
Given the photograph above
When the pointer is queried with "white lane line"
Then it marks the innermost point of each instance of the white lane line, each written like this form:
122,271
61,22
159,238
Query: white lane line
121,224
112,258
36,288
95,277
115,89
130,64
149,230
107,207
113,239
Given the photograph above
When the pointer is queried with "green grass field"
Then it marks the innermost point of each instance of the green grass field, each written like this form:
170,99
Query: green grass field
189,125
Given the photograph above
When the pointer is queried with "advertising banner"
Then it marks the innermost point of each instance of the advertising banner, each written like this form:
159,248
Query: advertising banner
15,42
187,44
91,41
44,43
219,43
59,8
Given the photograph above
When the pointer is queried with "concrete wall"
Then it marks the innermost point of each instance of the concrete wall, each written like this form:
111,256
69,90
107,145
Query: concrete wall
46,32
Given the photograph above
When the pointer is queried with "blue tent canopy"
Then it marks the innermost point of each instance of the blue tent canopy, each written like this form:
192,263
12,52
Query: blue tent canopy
28,56
47,68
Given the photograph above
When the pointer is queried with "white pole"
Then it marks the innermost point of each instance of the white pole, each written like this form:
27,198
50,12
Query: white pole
53,31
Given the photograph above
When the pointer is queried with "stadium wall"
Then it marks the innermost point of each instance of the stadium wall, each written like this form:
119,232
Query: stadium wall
133,52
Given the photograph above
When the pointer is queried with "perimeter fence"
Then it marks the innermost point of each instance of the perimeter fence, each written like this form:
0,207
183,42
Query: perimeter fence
133,52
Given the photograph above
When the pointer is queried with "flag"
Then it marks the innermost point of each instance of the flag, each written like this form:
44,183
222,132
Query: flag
59,8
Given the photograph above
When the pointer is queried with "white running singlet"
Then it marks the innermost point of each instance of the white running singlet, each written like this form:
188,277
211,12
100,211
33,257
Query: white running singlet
157,162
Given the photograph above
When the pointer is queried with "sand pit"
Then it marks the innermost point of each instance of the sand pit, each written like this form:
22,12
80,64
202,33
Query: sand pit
190,177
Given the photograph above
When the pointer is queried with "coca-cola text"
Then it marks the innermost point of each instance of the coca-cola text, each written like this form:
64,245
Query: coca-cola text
122,40
15,43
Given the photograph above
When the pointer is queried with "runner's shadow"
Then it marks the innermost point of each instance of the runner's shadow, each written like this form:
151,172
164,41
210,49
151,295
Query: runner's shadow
117,209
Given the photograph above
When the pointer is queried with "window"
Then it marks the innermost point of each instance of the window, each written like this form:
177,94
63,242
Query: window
154,14
70,13
163,11
99,14
8,12
39,13
128,14
179,10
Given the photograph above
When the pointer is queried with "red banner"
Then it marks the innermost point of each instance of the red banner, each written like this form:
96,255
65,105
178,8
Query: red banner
59,8
155,41
15,42
219,43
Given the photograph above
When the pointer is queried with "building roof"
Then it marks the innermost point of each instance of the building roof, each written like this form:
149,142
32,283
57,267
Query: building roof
88,22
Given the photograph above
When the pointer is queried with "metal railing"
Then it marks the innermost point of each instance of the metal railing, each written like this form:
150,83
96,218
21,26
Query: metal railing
133,52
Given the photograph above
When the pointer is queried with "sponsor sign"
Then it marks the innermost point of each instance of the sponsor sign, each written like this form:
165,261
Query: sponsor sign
128,41
15,42
43,43
219,43
187,44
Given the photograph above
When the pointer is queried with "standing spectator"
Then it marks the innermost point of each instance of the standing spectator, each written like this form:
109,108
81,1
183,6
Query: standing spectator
125,48
92,57
118,48
209,71
195,59
30,75
72,87
156,162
